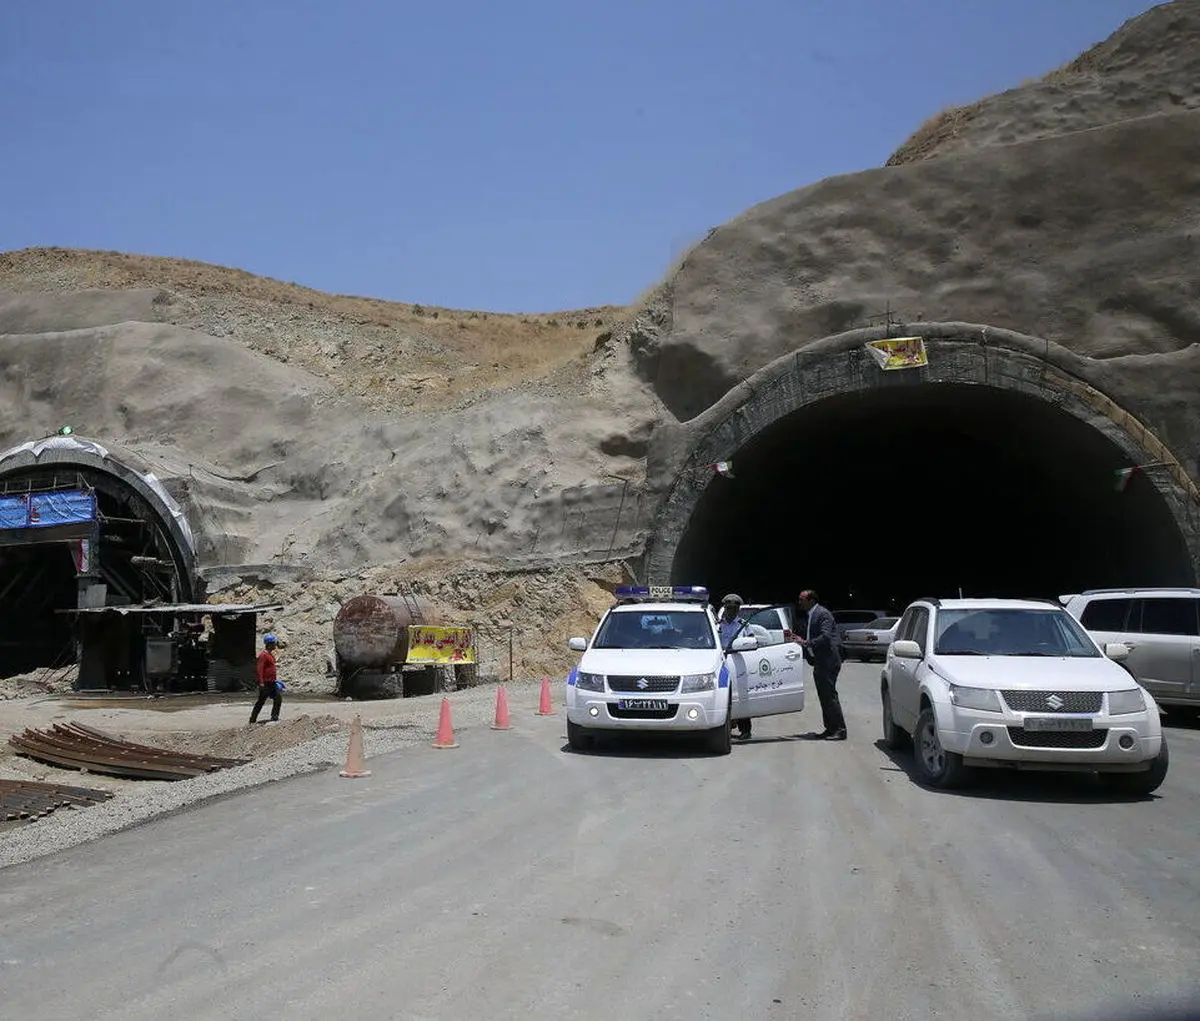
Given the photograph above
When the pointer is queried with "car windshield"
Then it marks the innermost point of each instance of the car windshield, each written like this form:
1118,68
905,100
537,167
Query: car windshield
882,623
655,629
1011,632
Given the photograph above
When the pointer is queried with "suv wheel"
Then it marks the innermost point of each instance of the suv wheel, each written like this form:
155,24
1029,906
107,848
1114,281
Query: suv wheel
720,739
1144,783
893,736
579,738
936,767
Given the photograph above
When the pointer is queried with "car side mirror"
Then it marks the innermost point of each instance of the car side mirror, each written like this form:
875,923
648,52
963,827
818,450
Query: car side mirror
744,643
1118,652
907,649
578,644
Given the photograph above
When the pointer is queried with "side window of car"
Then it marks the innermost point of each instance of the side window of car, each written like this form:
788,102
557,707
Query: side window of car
1169,617
1107,615
920,627
905,625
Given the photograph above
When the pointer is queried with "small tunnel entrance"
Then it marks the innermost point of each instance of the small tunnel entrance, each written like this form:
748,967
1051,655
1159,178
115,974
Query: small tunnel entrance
880,496
130,559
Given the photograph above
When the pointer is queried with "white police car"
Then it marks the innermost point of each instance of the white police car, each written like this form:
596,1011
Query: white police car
655,662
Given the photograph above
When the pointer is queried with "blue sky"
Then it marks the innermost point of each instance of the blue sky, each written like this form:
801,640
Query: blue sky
522,156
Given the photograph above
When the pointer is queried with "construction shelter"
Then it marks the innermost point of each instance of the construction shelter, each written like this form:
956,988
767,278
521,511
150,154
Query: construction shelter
168,647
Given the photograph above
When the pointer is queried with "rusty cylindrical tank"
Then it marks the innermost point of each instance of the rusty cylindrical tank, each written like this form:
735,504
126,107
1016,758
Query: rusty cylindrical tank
372,631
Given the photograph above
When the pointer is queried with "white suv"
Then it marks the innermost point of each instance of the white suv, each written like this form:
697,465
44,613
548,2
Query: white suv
1161,627
1012,682
655,662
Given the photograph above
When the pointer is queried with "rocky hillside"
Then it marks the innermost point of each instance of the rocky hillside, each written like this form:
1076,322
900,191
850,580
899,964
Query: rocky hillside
1150,67
1078,229
390,355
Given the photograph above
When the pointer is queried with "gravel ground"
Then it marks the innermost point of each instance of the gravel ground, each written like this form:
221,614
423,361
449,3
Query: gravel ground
387,727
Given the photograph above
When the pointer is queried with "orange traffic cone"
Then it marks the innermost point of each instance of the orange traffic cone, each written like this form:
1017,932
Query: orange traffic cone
445,733
502,722
544,706
354,757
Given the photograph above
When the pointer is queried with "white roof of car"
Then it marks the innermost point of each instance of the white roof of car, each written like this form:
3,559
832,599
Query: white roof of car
995,604
1167,590
660,607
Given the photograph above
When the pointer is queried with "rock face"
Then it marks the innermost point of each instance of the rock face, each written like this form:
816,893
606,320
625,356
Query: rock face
1089,240
1151,66
1066,209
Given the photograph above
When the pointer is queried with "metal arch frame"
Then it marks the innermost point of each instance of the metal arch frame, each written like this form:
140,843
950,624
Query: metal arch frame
182,549
963,353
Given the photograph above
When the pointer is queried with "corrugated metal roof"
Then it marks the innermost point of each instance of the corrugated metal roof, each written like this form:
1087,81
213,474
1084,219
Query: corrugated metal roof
216,609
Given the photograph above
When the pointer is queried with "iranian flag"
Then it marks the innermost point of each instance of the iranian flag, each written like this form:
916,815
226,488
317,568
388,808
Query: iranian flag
723,468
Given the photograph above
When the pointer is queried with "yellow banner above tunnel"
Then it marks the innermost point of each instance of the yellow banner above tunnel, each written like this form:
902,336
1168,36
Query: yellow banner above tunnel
434,645
899,352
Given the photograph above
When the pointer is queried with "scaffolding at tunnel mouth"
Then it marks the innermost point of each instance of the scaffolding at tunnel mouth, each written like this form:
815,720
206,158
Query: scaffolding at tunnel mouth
812,380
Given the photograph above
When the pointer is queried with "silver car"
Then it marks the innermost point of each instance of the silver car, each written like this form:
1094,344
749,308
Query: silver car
1161,627
871,641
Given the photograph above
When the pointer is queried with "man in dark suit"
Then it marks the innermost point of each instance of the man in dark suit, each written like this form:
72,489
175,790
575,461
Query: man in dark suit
823,650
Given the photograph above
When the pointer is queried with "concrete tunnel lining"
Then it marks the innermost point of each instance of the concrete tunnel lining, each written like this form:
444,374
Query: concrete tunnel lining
832,393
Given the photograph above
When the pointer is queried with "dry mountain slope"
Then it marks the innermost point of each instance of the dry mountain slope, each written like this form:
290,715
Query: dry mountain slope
247,397
1150,66
392,356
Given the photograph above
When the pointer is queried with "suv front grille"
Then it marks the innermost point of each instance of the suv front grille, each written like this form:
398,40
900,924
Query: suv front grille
1057,738
641,684
1053,701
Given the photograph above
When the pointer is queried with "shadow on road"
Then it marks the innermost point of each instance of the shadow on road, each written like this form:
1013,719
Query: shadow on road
1182,719
1002,784
632,745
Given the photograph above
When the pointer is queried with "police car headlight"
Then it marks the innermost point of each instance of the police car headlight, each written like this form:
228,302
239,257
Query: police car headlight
589,682
975,698
698,682
1123,702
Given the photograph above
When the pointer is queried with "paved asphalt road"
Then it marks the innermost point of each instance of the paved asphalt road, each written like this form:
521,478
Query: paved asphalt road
509,878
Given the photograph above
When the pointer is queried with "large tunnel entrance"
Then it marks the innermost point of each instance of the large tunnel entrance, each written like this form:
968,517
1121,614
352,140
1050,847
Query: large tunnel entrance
80,529
881,495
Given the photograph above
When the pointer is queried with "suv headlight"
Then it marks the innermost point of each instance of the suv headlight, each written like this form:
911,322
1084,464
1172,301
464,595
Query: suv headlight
975,698
589,682
1128,701
697,682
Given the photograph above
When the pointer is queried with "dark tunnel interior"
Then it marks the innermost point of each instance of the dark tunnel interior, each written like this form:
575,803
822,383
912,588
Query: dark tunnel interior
877,498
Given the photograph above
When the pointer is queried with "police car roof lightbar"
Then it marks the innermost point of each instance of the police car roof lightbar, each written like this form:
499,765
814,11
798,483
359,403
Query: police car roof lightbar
661,593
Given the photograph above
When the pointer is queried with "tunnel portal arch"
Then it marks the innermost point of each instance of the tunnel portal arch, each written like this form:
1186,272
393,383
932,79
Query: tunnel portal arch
998,398
140,547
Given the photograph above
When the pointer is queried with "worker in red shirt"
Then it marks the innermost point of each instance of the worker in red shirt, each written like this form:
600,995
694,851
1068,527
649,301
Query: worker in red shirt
268,680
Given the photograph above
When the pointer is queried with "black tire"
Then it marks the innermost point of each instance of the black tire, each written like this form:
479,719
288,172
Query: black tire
579,738
935,766
719,740
893,736
1140,785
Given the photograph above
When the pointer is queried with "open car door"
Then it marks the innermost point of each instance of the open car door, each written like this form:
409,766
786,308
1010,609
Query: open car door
766,681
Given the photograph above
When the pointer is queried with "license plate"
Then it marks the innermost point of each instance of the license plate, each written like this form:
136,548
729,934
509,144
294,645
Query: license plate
1057,723
642,703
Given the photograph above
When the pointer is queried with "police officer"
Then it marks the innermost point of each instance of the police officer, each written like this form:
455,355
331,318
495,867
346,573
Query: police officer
731,623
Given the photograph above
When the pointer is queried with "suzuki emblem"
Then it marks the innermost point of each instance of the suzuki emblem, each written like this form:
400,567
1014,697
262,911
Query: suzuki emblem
1055,703
643,683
